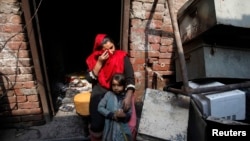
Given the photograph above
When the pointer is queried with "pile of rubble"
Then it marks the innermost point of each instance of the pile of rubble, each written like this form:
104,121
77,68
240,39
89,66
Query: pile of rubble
67,92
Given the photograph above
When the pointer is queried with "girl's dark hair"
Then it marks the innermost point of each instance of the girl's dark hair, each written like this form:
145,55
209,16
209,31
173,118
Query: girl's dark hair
120,78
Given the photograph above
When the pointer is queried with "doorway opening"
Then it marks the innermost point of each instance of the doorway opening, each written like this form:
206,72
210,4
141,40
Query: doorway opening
68,30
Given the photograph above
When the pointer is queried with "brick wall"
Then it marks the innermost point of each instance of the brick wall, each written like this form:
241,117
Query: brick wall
152,47
19,99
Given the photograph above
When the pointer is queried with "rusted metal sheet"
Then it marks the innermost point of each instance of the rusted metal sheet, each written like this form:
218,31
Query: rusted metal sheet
164,116
197,16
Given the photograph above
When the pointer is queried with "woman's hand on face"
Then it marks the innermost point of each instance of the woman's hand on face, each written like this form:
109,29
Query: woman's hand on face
104,56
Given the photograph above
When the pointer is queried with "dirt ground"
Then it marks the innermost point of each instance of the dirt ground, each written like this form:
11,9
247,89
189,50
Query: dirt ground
65,126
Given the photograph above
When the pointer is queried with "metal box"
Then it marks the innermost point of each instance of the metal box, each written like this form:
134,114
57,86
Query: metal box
202,17
214,61
230,105
200,127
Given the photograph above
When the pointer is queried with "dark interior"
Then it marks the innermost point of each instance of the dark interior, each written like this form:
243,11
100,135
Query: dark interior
68,29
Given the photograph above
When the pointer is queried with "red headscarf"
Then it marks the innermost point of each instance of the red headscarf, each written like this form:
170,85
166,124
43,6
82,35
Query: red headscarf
114,64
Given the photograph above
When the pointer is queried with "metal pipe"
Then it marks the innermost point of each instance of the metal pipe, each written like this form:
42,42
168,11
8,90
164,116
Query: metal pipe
177,91
221,88
210,89
179,45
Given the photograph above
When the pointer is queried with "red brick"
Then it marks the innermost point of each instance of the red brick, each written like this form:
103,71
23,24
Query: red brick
156,24
18,78
19,45
18,92
151,1
19,37
167,28
21,98
29,91
137,30
138,67
9,70
171,49
9,1
167,41
137,34
165,55
133,46
10,28
153,60
15,19
157,8
23,54
155,15
154,39
136,23
22,62
26,111
137,47
166,61
168,72
32,98
26,70
28,105
163,49
137,60
27,84
155,47
3,18
153,53
136,5
137,54
161,67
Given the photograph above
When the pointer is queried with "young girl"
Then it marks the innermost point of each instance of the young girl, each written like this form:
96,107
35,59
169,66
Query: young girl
116,126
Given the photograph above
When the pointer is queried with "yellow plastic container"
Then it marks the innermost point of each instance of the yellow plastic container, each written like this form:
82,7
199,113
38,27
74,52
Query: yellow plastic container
81,102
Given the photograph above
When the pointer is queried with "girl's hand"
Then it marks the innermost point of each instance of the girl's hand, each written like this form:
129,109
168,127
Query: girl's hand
120,114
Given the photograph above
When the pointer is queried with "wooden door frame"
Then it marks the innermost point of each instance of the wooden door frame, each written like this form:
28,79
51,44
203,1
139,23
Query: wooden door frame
124,34
36,48
34,39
